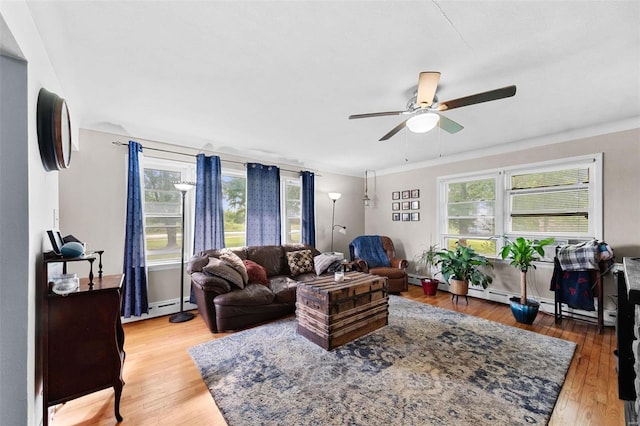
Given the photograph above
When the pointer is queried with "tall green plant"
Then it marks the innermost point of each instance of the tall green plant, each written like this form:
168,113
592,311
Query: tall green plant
464,264
427,258
522,253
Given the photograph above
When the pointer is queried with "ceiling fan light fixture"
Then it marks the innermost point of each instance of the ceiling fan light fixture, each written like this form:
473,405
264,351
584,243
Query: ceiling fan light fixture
422,123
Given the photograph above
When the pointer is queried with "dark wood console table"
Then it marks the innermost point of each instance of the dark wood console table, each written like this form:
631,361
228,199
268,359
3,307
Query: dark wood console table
81,339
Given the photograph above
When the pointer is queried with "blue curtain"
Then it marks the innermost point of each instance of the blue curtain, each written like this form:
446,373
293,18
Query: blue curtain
263,205
308,209
209,220
134,299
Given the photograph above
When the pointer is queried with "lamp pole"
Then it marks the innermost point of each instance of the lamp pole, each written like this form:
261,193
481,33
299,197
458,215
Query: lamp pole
333,215
182,316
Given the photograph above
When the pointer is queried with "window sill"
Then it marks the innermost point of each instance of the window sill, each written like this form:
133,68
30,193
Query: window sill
164,266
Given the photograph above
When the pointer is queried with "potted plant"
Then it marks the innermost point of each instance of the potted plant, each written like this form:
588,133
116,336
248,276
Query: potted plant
426,263
461,267
523,252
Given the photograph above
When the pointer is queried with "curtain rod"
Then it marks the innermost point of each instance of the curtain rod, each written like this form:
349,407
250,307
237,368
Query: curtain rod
192,155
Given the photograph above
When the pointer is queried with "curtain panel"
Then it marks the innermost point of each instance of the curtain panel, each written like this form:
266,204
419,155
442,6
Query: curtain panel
308,208
209,214
263,205
134,298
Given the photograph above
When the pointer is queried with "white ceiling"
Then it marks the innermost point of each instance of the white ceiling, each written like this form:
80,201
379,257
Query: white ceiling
276,81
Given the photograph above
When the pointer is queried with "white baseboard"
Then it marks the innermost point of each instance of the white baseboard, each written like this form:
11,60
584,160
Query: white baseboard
162,308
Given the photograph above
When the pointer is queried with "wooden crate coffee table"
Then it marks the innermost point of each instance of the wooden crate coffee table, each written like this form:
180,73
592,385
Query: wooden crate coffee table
331,313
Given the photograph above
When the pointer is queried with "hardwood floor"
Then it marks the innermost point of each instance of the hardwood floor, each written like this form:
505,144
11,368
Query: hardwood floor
163,386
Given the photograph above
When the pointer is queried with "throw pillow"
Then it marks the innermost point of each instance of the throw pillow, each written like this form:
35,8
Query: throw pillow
300,262
322,262
233,260
218,268
257,274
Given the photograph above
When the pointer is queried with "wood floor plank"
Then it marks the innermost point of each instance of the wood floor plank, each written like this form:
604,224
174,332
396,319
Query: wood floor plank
163,386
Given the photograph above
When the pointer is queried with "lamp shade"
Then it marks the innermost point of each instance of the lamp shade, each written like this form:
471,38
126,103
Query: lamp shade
184,186
335,195
422,123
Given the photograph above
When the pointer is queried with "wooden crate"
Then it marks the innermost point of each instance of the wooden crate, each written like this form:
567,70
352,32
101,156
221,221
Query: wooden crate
332,313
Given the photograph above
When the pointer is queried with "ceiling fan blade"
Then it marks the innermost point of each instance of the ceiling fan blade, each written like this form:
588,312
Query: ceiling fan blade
491,95
427,85
394,130
375,114
449,125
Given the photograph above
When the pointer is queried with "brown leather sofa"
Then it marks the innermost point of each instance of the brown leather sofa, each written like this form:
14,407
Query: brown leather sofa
396,271
225,307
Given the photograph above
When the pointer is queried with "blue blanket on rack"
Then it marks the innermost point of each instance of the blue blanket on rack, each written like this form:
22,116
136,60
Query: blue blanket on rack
575,288
369,248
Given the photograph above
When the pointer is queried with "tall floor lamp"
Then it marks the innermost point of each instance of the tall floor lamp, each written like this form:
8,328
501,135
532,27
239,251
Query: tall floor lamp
182,316
343,229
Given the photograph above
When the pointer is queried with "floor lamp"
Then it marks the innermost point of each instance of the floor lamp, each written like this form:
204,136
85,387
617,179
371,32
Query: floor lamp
343,229
182,316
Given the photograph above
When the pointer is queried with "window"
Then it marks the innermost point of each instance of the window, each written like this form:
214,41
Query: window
163,211
234,204
561,199
291,210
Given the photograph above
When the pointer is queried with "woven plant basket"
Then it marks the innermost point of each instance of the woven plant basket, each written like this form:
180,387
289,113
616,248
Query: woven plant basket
458,287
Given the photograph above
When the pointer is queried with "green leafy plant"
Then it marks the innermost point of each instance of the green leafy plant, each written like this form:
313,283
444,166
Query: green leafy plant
523,252
464,264
427,259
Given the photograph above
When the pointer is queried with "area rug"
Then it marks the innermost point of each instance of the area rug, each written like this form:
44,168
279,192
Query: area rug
429,366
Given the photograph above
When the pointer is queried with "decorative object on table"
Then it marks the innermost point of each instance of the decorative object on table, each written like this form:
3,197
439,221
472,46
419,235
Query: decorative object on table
72,249
474,373
415,193
55,237
182,316
54,131
335,196
461,267
426,264
522,253
65,284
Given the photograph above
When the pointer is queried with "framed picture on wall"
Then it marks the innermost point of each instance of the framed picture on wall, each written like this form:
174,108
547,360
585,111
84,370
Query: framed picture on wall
406,195
395,216
415,205
406,205
415,216
406,217
395,195
395,206
415,193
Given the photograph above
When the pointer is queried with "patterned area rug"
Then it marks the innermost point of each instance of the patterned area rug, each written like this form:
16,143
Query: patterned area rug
429,366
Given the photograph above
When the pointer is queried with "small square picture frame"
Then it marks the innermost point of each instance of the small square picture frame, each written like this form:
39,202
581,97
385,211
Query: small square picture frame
406,205
415,193
395,195
406,217
406,194
415,216
56,240
415,205
395,217
395,206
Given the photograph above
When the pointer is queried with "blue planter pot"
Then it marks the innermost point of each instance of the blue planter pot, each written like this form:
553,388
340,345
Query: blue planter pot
524,314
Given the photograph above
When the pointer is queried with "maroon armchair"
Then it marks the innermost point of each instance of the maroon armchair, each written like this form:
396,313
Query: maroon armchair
396,274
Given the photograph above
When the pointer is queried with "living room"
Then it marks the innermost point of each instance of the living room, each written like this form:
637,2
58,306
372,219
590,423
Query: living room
350,159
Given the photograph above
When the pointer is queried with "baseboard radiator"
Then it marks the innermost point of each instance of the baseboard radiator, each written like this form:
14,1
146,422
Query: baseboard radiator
162,308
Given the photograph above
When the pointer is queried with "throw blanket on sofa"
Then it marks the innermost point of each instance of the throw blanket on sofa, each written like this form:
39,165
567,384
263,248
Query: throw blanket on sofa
369,248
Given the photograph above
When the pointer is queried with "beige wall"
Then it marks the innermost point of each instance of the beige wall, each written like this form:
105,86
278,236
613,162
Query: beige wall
621,188
93,202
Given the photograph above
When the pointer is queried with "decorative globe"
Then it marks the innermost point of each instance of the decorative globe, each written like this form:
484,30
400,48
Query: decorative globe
72,249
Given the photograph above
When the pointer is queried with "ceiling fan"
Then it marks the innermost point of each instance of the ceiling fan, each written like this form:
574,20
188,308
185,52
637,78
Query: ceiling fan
425,109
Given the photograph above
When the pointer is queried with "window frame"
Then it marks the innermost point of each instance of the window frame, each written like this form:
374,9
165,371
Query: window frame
188,173
284,180
232,172
502,210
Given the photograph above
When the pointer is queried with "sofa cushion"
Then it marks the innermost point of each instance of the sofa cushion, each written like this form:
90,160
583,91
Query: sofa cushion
251,295
220,269
271,258
256,273
388,272
233,260
323,261
284,289
300,262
